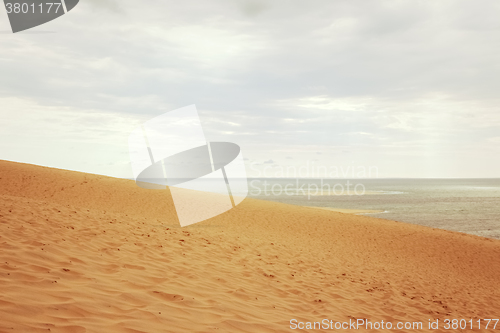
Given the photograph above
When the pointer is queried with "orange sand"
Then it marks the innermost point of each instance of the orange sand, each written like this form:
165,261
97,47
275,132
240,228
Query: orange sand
87,253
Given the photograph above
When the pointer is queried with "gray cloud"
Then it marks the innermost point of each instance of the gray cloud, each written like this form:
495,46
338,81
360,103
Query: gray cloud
381,80
253,8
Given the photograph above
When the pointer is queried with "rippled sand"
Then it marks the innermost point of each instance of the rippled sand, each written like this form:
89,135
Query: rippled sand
87,253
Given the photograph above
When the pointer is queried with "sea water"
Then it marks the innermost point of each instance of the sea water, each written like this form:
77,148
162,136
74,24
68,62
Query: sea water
465,205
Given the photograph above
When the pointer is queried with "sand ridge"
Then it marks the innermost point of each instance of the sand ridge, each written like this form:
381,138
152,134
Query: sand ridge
88,253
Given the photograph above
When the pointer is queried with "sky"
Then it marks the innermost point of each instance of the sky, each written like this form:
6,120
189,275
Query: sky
409,89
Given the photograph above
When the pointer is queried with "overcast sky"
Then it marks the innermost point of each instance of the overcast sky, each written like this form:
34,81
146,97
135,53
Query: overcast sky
410,87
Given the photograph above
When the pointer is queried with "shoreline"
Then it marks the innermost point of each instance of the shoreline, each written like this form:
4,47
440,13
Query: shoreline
350,211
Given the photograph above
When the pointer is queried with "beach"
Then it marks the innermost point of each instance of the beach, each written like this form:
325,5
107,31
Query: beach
88,253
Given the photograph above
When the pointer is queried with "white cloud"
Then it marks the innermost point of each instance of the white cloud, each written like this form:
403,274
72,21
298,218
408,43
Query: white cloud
391,82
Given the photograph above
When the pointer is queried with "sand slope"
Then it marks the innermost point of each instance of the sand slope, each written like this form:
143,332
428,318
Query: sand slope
86,253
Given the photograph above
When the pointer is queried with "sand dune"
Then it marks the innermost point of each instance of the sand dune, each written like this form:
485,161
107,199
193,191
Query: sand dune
87,253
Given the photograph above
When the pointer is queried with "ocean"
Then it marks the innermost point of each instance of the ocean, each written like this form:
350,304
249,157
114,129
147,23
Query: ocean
465,205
